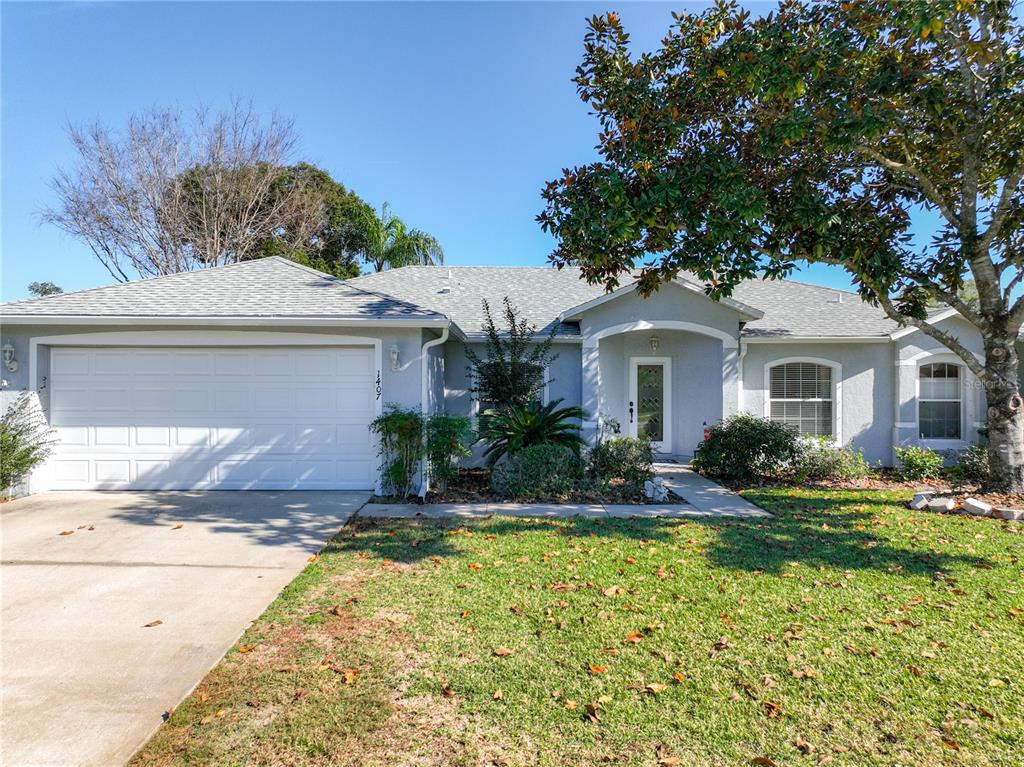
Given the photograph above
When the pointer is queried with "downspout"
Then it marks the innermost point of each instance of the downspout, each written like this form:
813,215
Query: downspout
424,391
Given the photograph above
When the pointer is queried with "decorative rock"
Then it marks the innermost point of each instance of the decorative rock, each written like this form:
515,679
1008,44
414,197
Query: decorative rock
921,500
941,504
977,508
1010,515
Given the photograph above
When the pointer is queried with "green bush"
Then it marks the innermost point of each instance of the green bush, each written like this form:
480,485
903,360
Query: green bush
917,462
744,447
628,458
25,441
971,466
448,441
401,448
821,458
509,430
537,473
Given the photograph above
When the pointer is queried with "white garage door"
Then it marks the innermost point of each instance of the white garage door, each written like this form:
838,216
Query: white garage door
214,418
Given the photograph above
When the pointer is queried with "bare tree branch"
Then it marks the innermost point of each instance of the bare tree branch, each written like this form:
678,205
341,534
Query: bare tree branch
172,193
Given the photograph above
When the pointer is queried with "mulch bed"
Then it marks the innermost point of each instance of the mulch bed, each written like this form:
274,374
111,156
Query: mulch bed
474,486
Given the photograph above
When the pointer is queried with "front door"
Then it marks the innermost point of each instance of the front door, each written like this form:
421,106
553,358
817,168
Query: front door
650,401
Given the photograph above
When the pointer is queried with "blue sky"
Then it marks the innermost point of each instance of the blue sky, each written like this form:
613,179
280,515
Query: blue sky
456,114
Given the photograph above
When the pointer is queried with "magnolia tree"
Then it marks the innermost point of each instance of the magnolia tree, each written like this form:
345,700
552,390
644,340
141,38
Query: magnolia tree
818,133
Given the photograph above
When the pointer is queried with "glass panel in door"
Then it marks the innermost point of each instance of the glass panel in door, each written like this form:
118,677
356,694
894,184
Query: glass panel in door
650,404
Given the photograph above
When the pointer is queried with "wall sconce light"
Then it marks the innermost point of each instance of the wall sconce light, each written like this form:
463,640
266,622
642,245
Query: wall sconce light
8,355
396,364
655,343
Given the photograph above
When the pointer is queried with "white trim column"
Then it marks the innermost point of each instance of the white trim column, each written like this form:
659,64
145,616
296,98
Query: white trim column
590,396
730,380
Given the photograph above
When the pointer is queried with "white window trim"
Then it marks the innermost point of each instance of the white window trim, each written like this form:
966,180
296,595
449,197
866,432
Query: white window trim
837,390
966,402
631,427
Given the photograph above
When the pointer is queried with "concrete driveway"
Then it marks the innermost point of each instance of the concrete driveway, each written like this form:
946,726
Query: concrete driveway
84,682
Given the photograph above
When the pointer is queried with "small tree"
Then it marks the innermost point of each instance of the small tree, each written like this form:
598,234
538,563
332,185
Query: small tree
40,289
512,371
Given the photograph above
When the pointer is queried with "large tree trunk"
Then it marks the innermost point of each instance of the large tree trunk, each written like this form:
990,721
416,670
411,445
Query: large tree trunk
1005,417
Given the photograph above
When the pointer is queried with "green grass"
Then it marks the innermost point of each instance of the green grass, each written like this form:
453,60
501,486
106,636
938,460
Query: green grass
847,630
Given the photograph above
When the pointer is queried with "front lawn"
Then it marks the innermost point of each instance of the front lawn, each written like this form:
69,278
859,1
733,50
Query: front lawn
847,630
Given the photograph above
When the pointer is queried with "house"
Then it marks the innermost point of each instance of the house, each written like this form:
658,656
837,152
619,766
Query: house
266,374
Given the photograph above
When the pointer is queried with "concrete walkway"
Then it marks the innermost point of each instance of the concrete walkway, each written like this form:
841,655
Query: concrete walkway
83,680
703,498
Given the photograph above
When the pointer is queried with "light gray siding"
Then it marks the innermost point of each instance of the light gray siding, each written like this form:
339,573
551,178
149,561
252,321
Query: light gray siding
867,391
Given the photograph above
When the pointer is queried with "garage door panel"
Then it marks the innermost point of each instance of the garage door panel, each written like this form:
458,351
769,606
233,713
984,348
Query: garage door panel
115,471
225,418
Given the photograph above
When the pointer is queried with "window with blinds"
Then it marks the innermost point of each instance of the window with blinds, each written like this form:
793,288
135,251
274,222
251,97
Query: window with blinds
800,397
938,401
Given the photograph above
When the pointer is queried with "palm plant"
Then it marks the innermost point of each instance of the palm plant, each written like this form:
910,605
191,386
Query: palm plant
389,243
509,430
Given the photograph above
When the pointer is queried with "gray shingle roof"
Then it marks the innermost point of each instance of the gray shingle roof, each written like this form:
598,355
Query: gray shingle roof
541,294
798,309
275,287
268,287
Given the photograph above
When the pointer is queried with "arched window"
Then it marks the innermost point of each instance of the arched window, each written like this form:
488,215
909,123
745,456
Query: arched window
801,396
939,401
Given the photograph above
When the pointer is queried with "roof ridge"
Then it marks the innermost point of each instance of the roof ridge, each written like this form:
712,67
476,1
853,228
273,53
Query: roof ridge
154,278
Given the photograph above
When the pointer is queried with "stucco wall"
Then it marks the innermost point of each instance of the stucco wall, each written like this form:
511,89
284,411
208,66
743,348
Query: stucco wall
867,388
918,349
563,375
672,303
696,381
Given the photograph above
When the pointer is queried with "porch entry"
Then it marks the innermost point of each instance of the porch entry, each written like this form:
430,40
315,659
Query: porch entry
650,401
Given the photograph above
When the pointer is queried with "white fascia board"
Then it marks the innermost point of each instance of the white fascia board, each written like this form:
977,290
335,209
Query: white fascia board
748,312
361,322
816,339
907,330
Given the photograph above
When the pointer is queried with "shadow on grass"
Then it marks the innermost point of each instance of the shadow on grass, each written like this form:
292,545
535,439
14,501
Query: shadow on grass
832,530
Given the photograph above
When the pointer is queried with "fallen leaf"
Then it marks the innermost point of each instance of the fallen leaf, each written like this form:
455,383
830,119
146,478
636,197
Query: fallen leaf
501,652
763,761
336,610
246,648
475,565
914,670
68,532
313,558
802,745
996,683
655,687
771,708
447,691
634,637
612,591
178,526
218,715
151,624
596,669
952,744
350,675
498,694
